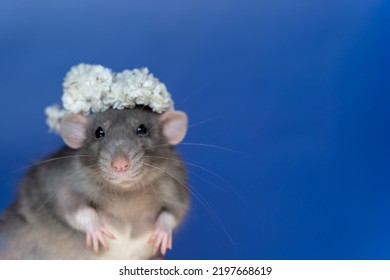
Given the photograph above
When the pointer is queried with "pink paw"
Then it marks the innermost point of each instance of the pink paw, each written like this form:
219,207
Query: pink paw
94,237
162,238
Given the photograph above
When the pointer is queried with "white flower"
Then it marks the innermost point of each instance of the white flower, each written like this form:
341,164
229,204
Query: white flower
54,115
84,87
138,87
94,88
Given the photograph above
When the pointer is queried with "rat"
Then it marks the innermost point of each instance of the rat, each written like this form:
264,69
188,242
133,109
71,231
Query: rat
117,190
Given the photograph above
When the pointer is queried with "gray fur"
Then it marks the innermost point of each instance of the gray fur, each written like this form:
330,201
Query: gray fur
35,227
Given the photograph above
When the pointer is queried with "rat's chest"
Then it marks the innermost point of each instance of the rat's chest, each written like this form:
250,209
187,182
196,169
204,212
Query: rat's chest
126,246
132,231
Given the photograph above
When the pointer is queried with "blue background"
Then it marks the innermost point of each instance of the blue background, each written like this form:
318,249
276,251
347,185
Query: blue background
299,88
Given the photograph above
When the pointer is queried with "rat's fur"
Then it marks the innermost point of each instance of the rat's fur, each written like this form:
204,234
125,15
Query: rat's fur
36,226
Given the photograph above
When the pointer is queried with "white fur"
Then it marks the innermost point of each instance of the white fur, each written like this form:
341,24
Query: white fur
166,221
84,219
125,248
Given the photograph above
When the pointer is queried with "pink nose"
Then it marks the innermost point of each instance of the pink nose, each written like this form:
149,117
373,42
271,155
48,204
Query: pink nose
120,163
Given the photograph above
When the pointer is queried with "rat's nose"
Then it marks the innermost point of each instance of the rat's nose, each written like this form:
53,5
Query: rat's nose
120,163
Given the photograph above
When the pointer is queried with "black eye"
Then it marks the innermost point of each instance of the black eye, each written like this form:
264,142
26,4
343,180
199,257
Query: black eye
141,130
99,133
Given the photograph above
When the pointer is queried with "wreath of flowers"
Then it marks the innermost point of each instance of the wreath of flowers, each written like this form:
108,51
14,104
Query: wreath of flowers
93,88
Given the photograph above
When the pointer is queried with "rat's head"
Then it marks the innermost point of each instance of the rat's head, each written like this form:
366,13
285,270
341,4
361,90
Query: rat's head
118,146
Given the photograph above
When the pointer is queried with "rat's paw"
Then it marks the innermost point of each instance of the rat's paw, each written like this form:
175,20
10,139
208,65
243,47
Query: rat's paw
96,236
161,238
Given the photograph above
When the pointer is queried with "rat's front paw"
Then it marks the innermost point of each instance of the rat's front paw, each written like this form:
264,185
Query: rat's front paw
96,236
161,238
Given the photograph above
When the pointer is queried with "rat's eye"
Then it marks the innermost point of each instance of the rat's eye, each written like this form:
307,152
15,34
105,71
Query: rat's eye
141,130
99,133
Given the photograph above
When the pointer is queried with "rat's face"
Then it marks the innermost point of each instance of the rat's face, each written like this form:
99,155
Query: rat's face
122,146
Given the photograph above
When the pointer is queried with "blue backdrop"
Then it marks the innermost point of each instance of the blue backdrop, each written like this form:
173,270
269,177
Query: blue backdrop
299,88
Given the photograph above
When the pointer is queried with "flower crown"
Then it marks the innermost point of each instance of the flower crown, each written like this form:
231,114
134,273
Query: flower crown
94,88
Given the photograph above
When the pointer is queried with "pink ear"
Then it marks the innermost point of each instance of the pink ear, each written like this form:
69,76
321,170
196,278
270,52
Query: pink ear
73,130
174,126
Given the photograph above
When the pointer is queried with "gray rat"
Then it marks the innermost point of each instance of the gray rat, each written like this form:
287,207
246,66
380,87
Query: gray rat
116,192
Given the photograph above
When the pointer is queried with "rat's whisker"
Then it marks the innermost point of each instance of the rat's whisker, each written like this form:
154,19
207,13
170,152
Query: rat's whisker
175,178
198,144
211,146
167,172
202,122
53,159
195,92
154,125
198,197
154,190
207,181
197,166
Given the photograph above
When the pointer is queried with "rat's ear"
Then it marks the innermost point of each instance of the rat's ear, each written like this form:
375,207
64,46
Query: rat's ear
174,126
73,130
